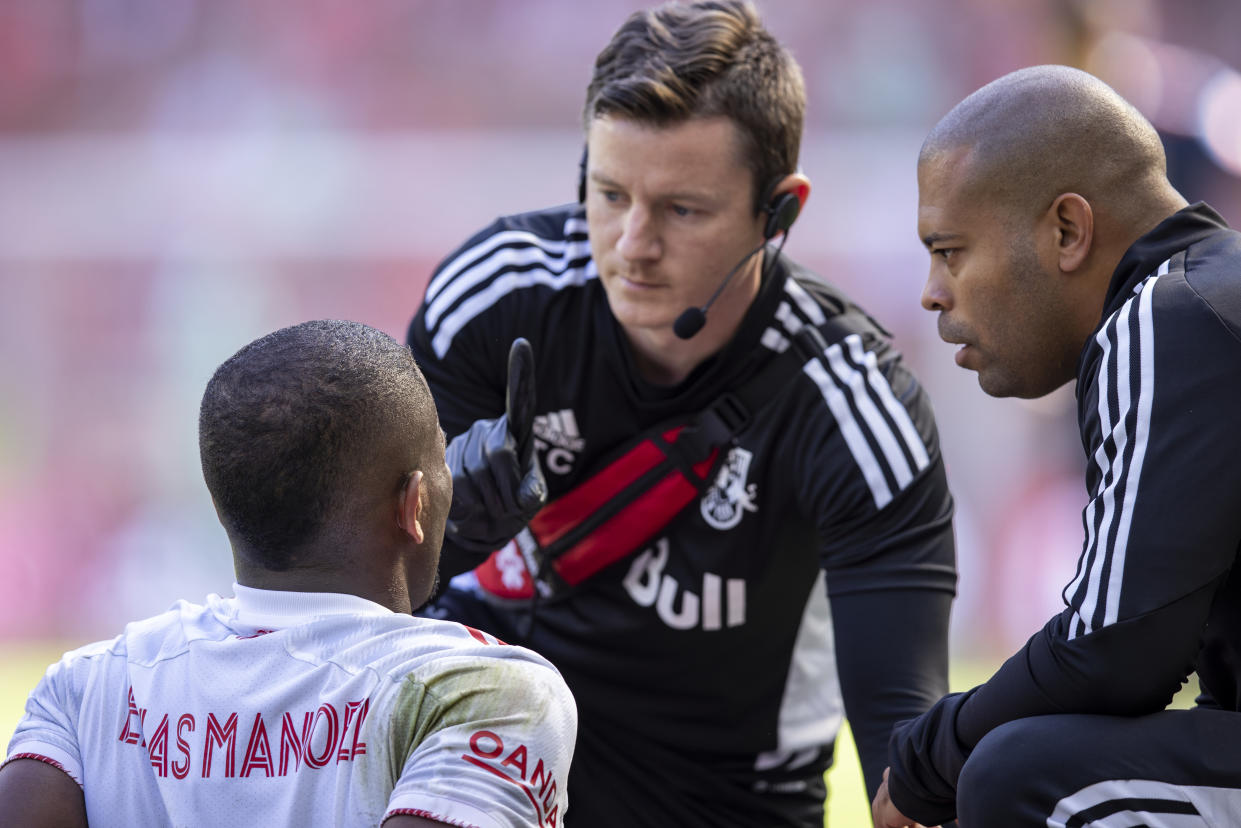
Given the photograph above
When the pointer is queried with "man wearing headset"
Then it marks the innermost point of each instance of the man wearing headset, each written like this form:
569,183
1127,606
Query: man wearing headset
706,487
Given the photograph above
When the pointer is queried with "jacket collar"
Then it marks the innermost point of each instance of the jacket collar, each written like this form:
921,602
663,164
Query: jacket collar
1175,233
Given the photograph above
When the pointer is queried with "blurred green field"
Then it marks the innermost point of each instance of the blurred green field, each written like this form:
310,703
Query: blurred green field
22,664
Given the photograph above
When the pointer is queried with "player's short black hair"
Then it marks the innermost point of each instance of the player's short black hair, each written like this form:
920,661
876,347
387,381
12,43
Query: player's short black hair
709,58
289,422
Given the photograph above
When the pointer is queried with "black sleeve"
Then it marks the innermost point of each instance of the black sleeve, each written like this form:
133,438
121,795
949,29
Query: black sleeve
1129,668
902,635
870,471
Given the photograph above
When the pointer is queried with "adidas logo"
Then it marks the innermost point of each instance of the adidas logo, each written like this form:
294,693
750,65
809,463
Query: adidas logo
557,437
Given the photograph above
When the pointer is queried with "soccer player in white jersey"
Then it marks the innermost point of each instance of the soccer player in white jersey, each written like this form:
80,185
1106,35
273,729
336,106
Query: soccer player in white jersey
312,697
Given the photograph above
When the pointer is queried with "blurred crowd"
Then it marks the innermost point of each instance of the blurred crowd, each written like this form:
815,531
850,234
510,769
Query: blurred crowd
178,177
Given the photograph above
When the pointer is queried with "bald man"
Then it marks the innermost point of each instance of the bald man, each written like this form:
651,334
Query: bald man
1060,251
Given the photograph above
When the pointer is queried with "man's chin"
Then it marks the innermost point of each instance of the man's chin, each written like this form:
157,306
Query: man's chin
996,385
645,324
999,385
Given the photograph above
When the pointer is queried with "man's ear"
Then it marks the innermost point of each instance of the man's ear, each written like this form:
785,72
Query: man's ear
1073,223
797,184
409,506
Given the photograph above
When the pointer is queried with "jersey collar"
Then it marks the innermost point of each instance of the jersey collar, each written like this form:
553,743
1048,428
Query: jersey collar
1175,233
277,609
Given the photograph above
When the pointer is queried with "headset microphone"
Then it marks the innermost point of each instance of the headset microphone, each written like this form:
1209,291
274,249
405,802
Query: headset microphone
782,212
691,320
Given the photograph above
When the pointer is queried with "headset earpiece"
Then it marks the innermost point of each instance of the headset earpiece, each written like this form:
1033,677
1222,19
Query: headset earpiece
781,213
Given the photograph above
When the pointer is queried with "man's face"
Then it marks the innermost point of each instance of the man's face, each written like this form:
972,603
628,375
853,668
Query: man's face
670,212
994,295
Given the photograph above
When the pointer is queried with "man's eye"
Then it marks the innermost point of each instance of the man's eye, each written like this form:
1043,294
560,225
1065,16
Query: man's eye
679,210
944,253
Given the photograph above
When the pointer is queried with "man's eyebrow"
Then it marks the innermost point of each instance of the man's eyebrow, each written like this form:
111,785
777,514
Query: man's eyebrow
932,238
691,196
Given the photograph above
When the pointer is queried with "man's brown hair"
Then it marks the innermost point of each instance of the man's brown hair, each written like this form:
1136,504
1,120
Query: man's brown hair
710,58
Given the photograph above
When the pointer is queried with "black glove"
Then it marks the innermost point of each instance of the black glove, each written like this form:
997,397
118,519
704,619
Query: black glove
497,483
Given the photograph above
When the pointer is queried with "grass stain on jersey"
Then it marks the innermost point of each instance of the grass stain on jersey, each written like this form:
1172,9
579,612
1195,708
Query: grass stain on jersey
468,694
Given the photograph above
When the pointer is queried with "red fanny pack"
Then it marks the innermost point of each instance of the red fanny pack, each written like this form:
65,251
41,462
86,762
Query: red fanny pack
605,518
631,499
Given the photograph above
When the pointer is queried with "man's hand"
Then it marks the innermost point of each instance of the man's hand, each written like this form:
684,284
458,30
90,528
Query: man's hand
497,483
883,813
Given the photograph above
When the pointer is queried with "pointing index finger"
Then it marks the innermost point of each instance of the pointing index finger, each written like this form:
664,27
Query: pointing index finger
519,401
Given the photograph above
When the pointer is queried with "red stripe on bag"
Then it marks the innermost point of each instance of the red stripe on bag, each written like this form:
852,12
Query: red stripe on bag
504,573
627,530
561,515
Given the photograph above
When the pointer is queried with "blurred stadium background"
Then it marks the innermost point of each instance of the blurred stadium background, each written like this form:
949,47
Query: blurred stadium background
178,177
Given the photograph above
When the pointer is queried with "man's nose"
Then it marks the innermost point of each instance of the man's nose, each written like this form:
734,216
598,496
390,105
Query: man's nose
639,237
935,295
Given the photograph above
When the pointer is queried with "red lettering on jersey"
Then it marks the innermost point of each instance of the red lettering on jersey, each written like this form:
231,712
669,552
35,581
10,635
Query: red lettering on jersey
541,777
225,737
328,714
550,795
538,809
359,748
342,751
182,769
258,750
255,634
481,636
488,745
133,735
291,743
158,749
517,759
476,744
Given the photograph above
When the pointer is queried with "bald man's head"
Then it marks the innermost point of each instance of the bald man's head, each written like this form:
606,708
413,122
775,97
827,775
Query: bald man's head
1029,193
1039,132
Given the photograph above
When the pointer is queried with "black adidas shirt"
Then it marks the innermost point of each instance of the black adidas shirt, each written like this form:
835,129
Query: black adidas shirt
712,667
1159,403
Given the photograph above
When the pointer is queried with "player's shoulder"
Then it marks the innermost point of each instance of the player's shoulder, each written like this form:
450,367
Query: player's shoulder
443,663
148,639
87,657
400,645
556,223
1210,268
853,388
808,298
171,632
516,268
552,236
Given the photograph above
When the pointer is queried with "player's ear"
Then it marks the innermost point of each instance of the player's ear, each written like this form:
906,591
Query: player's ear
1073,223
409,506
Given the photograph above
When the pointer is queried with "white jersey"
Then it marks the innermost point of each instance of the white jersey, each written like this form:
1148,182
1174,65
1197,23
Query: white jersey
309,709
